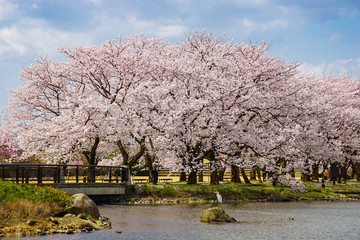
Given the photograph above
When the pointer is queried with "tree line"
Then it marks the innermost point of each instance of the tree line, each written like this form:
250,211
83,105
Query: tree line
139,101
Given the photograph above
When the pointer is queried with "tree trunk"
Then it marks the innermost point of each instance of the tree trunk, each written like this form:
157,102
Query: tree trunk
214,173
221,174
128,160
315,172
182,176
243,174
334,172
91,174
91,155
253,174
305,177
259,175
93,151
149,160
353,172
214,177
91,159
356,171
201,176
343,173
235,174
192,177
306,174
200,172
292,173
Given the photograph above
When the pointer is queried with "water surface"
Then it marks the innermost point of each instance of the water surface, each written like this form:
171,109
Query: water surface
291,220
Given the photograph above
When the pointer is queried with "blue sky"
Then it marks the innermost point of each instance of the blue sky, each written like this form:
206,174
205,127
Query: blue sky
322,34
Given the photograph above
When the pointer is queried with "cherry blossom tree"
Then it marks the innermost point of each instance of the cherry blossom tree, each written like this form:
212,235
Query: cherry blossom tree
9,151
85,104
139,99
338,120
116,71
44,120
218,95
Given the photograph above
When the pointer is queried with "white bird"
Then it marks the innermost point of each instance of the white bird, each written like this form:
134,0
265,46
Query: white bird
218,196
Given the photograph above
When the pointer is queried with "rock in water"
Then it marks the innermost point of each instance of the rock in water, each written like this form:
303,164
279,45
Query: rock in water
215,215
71,219
82,204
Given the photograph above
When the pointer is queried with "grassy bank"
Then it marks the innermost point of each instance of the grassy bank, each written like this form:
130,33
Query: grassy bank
183,193
19,204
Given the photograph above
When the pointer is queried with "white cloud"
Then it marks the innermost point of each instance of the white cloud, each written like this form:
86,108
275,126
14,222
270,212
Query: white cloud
33,36
181,2
171,31
11,41
7,9
276,23
35,6
248,24
316,70
156,28
96,2
351,12
335,68
251,26
130,24
249,2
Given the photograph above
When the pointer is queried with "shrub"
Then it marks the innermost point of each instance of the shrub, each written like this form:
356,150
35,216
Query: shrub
22,210
10,192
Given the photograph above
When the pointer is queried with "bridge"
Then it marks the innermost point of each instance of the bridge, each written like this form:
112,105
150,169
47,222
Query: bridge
98,182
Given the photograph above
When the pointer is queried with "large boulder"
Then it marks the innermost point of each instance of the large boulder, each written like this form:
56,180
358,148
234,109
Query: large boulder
215,215
71,219
82,204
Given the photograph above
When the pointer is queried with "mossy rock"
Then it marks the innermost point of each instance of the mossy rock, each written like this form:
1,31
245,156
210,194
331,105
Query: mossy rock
80,203
71,219
216,215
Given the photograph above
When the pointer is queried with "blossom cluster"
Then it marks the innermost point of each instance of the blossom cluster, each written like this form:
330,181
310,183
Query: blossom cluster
140,100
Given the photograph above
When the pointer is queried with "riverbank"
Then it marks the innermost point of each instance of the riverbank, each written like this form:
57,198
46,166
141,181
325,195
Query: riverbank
192,194
32,210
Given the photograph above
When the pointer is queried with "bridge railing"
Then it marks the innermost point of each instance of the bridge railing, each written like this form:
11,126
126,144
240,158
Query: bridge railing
57,173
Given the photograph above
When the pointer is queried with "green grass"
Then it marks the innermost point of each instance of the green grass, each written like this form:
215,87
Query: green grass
20,203
10,192
245,192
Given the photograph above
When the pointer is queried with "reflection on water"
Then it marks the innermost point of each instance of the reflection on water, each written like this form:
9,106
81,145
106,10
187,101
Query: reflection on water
293,220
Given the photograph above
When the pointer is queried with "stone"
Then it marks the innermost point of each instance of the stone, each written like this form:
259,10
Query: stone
82,204
71,219
69,231
53,220
21,234
31,222
216,215
88,229
81,216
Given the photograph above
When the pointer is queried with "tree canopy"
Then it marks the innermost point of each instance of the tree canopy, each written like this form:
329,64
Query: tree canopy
138,98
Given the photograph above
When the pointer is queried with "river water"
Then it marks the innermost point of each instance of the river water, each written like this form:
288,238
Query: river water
290,220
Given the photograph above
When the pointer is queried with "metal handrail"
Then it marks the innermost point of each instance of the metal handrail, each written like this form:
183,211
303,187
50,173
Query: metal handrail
60,173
